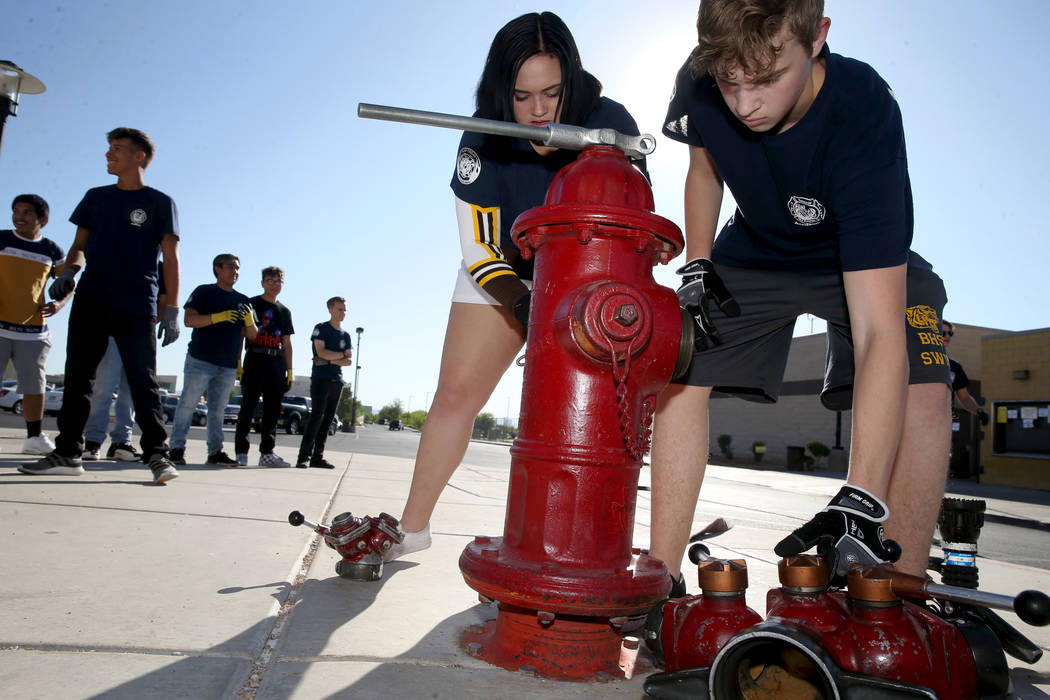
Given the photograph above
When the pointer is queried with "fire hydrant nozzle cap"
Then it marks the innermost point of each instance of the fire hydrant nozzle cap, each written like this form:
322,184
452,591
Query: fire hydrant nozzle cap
722,575
871,584
803,571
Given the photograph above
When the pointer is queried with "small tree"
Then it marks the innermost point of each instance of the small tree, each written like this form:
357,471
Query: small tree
415,419
390,411
483,424
819,450
725,445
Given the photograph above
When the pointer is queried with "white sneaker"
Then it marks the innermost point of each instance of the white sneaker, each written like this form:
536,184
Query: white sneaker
38,445
413,542
272,460
242,459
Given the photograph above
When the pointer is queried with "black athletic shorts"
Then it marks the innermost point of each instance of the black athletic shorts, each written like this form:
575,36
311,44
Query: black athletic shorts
750,363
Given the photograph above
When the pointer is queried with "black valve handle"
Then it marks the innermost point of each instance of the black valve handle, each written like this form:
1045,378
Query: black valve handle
1033,607
296,518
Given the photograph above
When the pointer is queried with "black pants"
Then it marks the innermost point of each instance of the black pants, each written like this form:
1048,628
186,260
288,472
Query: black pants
91,324
324,395
268,380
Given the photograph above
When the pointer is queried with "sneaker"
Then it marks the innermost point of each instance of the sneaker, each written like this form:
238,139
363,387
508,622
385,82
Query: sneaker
91,450
302,463
321,463
242,459
54,464
123,452
162,469
272,460
678,589
413,542
177,455
38,445
222,459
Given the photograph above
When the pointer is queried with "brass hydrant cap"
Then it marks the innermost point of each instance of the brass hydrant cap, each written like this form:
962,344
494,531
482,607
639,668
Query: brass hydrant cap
803,571
722,575
871,584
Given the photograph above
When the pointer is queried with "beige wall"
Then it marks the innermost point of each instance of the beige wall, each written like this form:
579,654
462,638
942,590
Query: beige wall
1001,355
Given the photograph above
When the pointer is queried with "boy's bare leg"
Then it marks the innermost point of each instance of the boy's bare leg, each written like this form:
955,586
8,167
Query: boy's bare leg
679,460
919,474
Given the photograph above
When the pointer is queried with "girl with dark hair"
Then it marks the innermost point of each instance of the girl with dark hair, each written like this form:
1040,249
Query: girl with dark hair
533,75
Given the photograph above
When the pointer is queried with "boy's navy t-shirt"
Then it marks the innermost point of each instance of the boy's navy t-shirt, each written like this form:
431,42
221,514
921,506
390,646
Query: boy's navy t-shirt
334,339
831,192
219,343
124,244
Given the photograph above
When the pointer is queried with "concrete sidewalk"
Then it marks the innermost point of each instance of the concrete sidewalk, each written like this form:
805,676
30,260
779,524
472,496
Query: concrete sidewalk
200,589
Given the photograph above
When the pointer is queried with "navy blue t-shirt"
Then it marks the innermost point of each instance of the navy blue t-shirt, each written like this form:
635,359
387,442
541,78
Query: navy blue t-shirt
959,378
219,343
831,192
496,171
121,254
336,340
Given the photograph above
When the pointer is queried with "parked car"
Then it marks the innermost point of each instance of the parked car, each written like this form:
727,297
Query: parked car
200,414
10,399
168,404
395,424
232,410
53,402
335,426
295,411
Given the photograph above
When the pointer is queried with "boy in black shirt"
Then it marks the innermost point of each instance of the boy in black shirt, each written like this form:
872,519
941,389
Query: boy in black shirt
331,352
122,230
267,370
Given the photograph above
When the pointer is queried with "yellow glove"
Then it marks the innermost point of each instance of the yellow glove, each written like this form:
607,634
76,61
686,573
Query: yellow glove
224,316
240,370
249,317
291,378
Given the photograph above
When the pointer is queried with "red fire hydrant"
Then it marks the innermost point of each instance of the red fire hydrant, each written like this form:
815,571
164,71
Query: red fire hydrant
604,339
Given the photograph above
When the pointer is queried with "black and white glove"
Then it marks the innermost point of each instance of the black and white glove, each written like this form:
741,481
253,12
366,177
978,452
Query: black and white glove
63,285
701,283
168,328
848,532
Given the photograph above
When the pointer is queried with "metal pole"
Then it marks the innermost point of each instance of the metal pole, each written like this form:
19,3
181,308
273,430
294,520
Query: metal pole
357,372
558,135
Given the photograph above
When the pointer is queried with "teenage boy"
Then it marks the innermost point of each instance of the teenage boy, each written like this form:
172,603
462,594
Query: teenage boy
811,145
122,230
331,352
220,317
267,370
27,260
960,382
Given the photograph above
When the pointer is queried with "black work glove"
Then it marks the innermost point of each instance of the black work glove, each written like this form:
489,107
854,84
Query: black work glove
848,532
63,285
700,283
982,415
521,311
168,327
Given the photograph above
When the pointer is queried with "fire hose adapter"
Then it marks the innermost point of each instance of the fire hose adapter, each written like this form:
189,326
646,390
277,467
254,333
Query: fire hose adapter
362,542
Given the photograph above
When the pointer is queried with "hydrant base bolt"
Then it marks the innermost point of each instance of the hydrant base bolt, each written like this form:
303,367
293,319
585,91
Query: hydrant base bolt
474,649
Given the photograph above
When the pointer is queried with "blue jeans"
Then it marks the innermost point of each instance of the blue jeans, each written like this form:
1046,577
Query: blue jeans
200,377
109,378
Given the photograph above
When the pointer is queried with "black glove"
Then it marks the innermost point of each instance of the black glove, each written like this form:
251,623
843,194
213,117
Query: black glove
700,282
983,416
848,532
521,311
63,285
168,328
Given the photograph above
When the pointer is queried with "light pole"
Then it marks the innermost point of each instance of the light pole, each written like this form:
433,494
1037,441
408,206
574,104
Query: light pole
357,371
14,82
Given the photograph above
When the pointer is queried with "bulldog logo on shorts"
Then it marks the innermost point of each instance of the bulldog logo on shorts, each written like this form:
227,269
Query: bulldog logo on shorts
468,166
138,217
806,211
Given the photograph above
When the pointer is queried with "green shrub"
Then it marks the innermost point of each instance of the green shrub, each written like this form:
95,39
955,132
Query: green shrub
818,449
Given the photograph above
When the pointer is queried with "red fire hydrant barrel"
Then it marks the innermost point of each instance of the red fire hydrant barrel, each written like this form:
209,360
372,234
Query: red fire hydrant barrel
604,339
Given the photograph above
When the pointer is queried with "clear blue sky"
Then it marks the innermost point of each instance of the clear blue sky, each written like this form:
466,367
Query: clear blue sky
253,110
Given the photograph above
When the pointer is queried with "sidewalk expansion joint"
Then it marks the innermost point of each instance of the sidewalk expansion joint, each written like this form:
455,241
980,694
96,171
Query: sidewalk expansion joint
116,649
296,578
